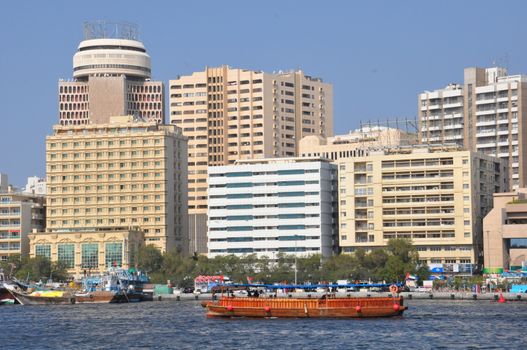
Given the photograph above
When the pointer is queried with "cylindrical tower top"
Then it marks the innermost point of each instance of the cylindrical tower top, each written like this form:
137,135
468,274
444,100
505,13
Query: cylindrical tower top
111,49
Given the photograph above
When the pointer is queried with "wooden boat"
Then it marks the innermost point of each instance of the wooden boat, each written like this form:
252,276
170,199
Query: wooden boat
41,298
99,297
325,307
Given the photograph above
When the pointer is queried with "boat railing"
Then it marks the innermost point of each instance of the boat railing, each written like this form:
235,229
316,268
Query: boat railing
294,303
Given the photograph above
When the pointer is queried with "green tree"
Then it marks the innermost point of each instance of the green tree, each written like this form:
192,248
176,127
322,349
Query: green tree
403,258
178,269
150,260
309,269
343,266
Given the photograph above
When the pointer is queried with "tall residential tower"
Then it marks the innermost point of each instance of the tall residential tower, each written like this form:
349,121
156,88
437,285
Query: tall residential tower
488,114
230,114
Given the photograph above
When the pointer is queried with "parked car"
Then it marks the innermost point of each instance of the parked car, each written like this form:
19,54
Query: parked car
188,290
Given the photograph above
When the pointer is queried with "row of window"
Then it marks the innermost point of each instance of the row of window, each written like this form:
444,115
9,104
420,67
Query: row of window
277,172
418,199
257,228
105,155
103,210
256,195
255,239
101,143
113,254
258,184
417,174
256,206
98,199
271,250
84,166
260,217
105,221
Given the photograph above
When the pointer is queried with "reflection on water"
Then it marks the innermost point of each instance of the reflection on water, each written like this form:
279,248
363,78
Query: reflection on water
426,325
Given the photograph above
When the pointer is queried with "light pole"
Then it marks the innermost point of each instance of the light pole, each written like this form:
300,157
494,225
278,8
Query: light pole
296,269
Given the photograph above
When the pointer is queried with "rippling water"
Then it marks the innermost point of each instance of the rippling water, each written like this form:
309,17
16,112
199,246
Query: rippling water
426,325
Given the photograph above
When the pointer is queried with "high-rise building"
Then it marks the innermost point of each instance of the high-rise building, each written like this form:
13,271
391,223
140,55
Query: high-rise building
486,114
435,196
118,180
111,76
357,143
230,114
273,206
505,233
20,214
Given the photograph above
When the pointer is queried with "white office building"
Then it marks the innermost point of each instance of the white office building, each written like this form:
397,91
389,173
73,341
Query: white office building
272,206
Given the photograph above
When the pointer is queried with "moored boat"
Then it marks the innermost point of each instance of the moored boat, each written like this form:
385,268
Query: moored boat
114,286
41,297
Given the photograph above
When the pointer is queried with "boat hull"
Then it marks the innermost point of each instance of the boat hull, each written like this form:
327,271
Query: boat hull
40,300
5,297
306,308
99,297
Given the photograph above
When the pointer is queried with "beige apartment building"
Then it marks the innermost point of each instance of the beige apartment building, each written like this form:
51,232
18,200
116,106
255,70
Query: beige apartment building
505,233
356,143
435,196
20,214
230,114
487,114
111,76
120,176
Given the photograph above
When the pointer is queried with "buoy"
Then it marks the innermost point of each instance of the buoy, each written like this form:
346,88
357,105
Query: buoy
501,299
396,307
358,308
394,289
229,308
267,309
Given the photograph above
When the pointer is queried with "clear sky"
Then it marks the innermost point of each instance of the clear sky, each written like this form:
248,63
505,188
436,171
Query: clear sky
377,54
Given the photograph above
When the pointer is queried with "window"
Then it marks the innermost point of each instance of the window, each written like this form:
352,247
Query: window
66,255
90,256
43,250
114,254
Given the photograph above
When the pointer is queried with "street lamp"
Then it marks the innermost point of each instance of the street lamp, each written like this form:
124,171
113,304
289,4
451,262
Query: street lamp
296,269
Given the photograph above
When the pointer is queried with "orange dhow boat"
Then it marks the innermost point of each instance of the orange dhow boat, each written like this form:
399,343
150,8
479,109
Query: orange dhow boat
327,306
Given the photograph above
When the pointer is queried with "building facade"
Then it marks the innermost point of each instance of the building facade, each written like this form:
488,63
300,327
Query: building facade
86,253
505,233
271,206
486,114
126,173
111,76
35,185
20,214
358,143
435,196
230,114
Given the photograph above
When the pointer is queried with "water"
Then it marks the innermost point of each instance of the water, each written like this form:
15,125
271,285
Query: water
428,324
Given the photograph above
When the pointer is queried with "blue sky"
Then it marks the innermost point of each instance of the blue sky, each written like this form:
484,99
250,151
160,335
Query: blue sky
377,54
